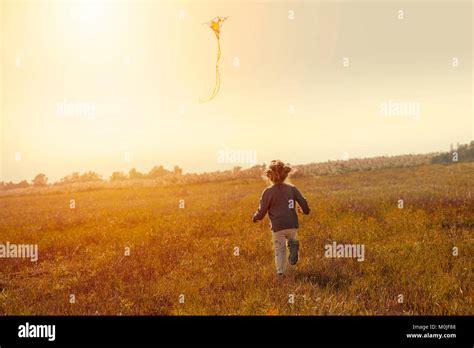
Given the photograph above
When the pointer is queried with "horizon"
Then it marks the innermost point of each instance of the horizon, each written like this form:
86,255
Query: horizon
106,177
106,87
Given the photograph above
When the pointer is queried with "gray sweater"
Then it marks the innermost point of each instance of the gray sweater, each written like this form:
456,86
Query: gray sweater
280,202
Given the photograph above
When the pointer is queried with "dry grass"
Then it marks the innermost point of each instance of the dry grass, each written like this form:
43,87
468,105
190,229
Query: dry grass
190,251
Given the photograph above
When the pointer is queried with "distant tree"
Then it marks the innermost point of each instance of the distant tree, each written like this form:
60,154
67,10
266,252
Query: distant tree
177,170
76,177
255,172
90,176
69,179
465,153
40,180
22,184
4,186
65,180
118,176
157,172
134,174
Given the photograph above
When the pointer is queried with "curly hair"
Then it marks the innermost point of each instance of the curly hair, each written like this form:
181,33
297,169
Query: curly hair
277,171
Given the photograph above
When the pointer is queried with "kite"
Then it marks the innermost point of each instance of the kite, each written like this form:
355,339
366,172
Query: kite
216,24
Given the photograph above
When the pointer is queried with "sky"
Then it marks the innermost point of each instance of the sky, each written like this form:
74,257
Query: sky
114,85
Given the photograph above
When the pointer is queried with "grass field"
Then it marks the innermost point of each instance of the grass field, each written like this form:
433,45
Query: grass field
188,254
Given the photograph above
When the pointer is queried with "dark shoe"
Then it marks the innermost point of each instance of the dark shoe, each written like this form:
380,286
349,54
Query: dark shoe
293,246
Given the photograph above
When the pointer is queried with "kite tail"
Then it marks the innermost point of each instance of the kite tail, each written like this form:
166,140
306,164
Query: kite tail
217,85
218,75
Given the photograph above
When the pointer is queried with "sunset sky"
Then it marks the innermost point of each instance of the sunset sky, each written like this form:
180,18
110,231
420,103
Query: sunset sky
112,85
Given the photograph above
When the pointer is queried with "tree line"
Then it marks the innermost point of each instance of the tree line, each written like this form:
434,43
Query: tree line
157,173
162,175
462,153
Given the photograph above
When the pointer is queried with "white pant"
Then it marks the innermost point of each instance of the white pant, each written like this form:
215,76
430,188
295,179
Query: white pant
279,242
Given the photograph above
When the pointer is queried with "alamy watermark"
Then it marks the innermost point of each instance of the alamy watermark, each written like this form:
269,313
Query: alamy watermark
37,331
237,156
81,109
25,251
409,109
356,251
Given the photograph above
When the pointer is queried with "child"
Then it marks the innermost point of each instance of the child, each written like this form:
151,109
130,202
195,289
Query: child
280,202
